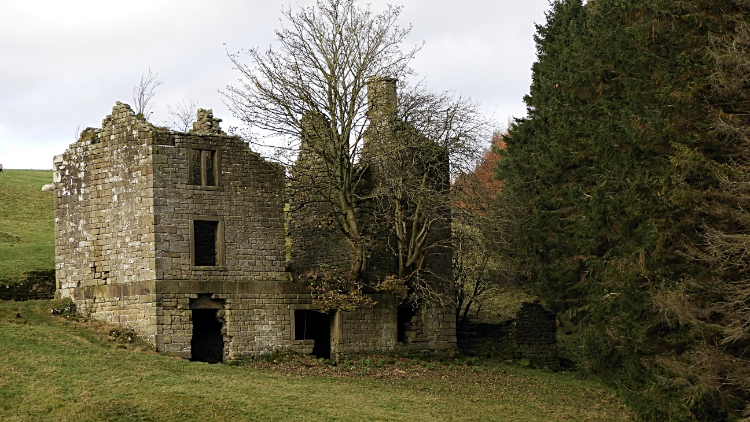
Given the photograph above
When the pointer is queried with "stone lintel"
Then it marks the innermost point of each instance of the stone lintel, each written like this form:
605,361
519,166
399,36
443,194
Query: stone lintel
189,287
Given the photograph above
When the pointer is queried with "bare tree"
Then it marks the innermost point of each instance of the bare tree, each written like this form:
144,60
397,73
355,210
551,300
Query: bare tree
484,220
483,262
319,74
379,158
429,140
182,115
144,91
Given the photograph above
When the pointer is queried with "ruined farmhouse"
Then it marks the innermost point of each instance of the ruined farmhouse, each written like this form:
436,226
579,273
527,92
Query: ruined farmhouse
181,237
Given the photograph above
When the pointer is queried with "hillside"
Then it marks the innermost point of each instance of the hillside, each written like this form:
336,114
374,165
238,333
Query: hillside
27,225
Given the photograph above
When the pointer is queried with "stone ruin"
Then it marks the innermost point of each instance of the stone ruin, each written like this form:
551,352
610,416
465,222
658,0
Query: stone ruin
535,335
530,338
180,237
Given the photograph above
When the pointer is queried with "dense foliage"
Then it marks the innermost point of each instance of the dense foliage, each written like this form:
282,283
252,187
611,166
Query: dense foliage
633,167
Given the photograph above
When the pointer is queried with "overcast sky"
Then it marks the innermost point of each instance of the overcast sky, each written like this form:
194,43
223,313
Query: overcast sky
64,64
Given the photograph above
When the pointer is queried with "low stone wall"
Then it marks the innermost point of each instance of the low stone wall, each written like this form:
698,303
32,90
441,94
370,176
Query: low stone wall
440,332
33,285
359,334
531,336
135,312
535,336
253,324
486,340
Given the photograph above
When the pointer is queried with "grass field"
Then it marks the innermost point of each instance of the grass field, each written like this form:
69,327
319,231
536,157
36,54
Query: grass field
27,226
54,368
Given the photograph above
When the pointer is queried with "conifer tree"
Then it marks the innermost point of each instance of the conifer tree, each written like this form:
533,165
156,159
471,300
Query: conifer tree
619,164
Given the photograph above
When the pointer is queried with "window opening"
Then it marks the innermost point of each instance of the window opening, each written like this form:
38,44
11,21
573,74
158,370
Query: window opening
206,238
314,325
203,167
404,316
209,159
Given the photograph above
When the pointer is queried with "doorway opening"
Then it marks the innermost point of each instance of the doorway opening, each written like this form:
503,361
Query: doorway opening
207,344
403,319
314,325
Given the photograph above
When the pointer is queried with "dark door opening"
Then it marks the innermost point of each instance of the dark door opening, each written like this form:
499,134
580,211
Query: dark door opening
208,342
404,317
314,325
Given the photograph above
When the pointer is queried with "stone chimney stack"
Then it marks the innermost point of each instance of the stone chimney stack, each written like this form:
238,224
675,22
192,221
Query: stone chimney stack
381,96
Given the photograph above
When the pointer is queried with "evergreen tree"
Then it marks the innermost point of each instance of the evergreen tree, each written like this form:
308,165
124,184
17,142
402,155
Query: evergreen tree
617,162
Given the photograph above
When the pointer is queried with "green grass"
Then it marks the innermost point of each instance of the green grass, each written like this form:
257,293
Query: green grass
27,226
54,368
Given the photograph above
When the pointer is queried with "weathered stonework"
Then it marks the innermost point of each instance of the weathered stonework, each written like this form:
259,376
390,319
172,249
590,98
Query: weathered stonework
316,240
535,335
181,238
530,336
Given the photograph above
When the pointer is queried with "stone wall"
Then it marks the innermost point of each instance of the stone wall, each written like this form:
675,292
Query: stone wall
530,337
358,334
258,319
535,336
248,198
104,218
33,285
440,330
486,340
126,201
135,312
314,236
314,240
395,150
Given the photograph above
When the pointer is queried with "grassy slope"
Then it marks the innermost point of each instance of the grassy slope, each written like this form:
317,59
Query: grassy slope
52,368
27,226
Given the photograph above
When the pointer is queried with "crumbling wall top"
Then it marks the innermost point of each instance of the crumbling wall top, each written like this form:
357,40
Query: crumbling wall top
123,111
123,119
206,124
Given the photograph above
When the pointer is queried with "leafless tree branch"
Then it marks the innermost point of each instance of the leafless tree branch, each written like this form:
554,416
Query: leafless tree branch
144,91
182,115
